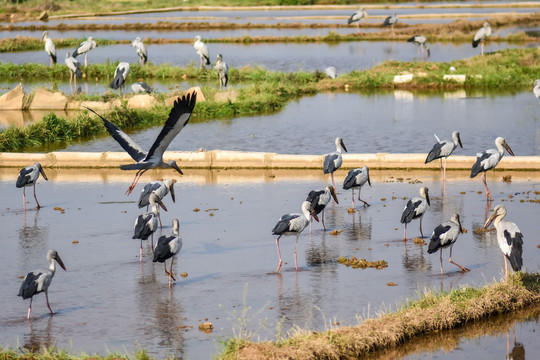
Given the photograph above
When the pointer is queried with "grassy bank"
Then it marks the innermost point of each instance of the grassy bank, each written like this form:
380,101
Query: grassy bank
51,353
432,312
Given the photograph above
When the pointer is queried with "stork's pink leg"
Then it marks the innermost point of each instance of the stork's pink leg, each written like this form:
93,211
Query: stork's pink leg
324,227
279,254
35,197
365,202
47,298
134,183
352,197
405,233
24,197
29,309
295,250
488,193
333,183
464,269
421,233
140,252
442,272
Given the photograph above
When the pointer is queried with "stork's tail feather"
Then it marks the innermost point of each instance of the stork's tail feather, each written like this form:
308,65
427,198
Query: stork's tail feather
476,169
475,43
53,58
78,73
207,60
411,39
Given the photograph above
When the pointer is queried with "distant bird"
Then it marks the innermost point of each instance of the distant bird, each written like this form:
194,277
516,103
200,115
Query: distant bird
319,199
28,176
141,50
39,280
178,118
356,178
536,88
222,70
167,247
202,51
452,69
50,49
421,41
488,159
481,36
509,237
333,160
356,17
293,224
160,188
74,69
445,235
120,75
146,224
141,88
443,149
331,72
415,209
391,21
84,48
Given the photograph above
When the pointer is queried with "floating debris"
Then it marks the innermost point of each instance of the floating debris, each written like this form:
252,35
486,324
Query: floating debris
196,210
419,241
390,283
351,210
335,232
481,230
75,242
362,263
206,327
184,274
507,178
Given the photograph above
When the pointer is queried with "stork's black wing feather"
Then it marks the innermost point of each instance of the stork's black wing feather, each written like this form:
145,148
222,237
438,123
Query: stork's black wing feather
435,241
29,285
435,152
410,211
283,224
478,167
24,177
516,244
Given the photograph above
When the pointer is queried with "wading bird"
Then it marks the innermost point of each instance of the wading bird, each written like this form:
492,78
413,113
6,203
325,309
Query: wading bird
421,41
120,75
356,17
28,176
481,36
333,160
141,88
222,70
509,237
536,88
445,235
488,160
391,21
415,209
443,149
178,118
202,51
146,224
356,178
141,50
319,199
293,224
167,247
39,280
160,188
74,69
50,49
331,72
84,48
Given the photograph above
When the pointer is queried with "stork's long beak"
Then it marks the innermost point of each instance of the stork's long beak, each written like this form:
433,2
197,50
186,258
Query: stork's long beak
460,227
175,167
343,145
459,142
334,195
428,52
507,147
368,180
43,173
60,262
490,220
162,205
172,193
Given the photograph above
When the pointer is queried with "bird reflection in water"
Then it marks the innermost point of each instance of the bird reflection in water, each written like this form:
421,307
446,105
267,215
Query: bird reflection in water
518,350
39,338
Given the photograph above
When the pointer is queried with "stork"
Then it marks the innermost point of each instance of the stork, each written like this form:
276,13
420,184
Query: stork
356,178
160,188
222,70
319,199
356,17
74,70
140,48
202,51
333,160
146,224
28,176
415,209
50,49
481,36
84,48
421,41
445,235
120,75
443,149
167,247
391,21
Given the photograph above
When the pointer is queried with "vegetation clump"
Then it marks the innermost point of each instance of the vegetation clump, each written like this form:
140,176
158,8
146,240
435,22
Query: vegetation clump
362,263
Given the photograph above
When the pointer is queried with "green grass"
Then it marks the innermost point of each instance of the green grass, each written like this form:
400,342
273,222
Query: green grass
53,353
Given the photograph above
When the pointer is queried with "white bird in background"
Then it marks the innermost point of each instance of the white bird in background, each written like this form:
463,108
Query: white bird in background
415,209
222,70
356,17
319,199
167,247
141,88
443,149
536,88
28,176
39,280
421,41
391,21
50,49
74,70
202,51
481,36
141,50
120,75
178,118
146,224
445,235
331,72
293,224
333,160
84,48
488,160
509,237
356,178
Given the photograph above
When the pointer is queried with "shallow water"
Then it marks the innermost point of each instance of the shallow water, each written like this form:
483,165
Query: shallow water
393,122
107,300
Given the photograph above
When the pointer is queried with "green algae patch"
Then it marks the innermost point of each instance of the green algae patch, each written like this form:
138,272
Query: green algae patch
432,312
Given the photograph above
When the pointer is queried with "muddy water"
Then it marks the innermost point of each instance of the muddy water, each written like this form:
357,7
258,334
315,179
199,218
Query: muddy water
393,122
107,300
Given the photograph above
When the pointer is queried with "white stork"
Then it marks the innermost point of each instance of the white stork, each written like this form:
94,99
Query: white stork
333,160
178,118
222,70
443,149
84,48
319,199
167,247
391,21
140,48
50,49
141,88
356,178
74,69
415,209
39,280
293,224
509,237
120,75
421,41
202,51
356,17
445,235
28,176
146,224
481,36
488,160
